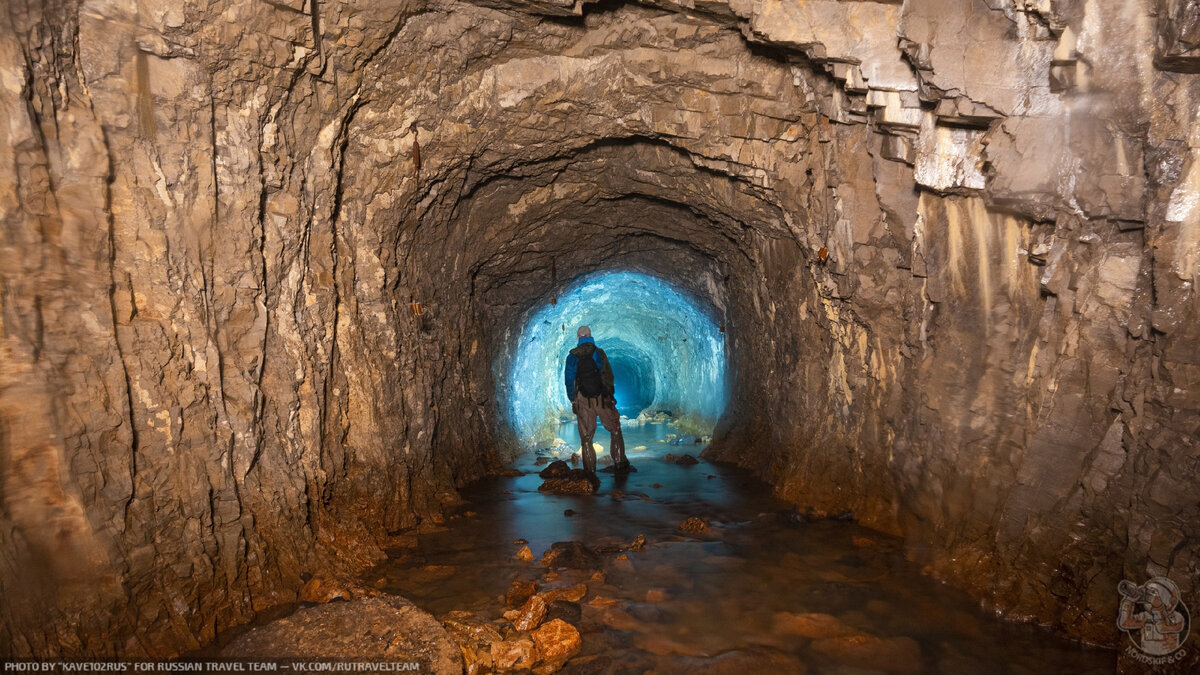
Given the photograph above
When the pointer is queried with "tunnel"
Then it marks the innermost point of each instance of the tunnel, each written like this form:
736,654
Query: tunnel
890,290
666,351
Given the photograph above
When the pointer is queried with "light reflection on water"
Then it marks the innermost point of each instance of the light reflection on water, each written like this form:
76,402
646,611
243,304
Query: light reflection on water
724,591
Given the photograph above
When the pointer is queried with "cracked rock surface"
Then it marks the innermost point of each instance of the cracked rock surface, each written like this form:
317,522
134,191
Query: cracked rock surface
258,260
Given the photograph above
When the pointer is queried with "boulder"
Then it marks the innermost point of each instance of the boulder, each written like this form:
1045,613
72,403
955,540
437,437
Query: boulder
557,469
519,592
694,525
575,482
469,627
571,555
381,627
557,641
563,486
566,610
513,654
570,593
531,614
475,637
318,590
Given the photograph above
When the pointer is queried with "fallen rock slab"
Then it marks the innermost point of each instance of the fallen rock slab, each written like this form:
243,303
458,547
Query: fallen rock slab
385,627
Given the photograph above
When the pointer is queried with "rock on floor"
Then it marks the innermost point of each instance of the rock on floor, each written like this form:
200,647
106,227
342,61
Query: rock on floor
557,469
576,482
557,641
381,627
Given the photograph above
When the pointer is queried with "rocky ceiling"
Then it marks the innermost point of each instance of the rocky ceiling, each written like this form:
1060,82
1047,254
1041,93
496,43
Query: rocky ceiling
955,243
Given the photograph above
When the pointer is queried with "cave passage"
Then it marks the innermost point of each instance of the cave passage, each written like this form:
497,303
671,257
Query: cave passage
286,288
666,351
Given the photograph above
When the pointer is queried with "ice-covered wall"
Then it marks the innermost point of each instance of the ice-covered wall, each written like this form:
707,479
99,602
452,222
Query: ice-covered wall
650,331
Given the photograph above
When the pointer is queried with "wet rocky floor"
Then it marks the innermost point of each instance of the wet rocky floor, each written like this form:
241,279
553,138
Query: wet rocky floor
758,591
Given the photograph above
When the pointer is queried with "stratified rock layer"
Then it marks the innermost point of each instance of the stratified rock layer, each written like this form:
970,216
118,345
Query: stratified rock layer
260,262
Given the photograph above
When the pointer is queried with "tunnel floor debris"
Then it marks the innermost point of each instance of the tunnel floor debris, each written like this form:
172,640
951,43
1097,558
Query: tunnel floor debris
694,568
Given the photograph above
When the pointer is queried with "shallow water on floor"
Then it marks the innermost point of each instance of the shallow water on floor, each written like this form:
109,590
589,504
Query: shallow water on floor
758,592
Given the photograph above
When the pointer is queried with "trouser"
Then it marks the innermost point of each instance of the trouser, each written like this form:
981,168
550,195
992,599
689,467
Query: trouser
586,411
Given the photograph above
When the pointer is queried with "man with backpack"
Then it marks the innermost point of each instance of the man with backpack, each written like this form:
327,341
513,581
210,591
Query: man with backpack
589,380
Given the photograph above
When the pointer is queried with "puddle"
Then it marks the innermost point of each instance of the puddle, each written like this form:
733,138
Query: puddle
756,591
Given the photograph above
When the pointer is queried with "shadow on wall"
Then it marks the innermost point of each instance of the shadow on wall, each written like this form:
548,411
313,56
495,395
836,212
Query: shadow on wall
666,351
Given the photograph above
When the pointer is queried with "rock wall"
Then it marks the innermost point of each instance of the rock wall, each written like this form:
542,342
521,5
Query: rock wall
259,259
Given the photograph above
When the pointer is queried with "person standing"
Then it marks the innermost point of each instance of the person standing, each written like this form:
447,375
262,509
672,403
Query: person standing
589,380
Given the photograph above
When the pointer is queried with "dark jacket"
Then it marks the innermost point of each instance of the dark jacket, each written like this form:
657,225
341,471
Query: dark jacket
587,349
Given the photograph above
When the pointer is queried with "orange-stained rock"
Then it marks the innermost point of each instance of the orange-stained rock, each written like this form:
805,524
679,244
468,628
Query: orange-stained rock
519,592
475,637
557,641
514,654
532,613
319,590
570,593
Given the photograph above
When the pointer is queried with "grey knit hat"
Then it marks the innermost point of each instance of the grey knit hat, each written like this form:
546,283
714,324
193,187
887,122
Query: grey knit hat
584,331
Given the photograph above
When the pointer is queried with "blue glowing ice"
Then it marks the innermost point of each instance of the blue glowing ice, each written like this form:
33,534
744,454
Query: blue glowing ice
666,353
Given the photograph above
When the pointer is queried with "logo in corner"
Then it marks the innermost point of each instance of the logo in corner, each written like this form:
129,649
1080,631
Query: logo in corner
1154,617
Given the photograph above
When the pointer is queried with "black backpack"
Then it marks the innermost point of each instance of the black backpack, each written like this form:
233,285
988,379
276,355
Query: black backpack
587,378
